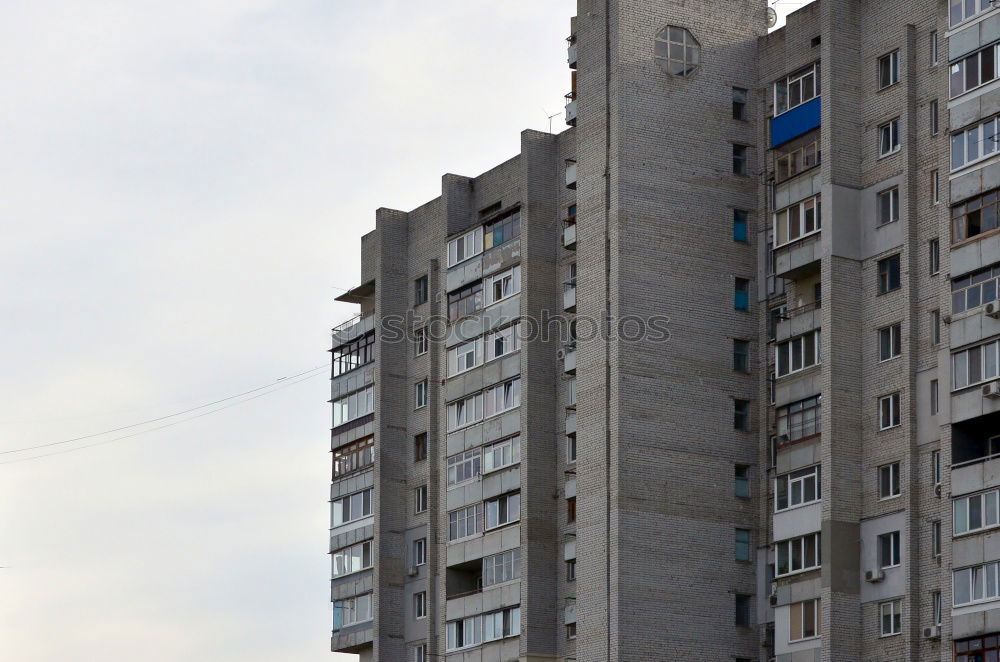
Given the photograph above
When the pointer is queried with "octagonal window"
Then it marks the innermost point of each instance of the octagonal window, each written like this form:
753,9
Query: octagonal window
677,51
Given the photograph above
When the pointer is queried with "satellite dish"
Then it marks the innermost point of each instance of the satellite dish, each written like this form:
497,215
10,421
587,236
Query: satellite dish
772,17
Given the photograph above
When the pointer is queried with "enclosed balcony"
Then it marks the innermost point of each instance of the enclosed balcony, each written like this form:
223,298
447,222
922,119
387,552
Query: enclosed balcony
798,321
569,296
570,174
976,440
793,123
569,359
571,109
571,51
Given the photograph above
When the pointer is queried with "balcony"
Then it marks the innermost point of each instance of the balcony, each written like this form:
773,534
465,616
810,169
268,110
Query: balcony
795,122
569,236
569,360
569,297
571,174
571,53
799,321
799,258
570,110
352,328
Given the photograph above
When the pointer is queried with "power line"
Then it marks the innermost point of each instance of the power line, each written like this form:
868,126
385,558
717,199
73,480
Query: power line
284,384
162,418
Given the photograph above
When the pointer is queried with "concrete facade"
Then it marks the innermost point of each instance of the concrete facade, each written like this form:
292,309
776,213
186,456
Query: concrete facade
768,440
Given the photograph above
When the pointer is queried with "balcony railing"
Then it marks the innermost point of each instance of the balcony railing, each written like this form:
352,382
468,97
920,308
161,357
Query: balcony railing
352,328
571,109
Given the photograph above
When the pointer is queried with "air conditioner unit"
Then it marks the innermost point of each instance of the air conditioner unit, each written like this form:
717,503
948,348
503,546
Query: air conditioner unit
991,390
560,354
412,571
874,576
932,632
992,309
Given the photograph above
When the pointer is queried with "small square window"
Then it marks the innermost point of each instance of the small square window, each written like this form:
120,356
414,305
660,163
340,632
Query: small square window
741,294
740,159
741,415
741,225
888,481
420,499
888,137
890,342
888,406
741,355
743,610
742,478
742,538
889,274
888,70
888,206
739,103
420,291
420,447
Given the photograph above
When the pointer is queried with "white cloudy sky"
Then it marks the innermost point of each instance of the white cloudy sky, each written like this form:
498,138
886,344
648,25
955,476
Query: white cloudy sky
184,188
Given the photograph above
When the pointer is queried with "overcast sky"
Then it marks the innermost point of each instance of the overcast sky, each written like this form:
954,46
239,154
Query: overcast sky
184,189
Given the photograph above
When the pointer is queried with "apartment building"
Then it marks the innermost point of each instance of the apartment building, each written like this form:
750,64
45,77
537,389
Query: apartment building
712,374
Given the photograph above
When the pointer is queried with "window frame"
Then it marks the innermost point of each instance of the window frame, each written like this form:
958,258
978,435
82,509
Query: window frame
894,402
458,357
888,70
741,294
886,283
790,552
934,256
741,98
513,443
419,552
803,227
421,341
988,512
506,510
355,456
808,411
741,356
507,336
797,161
501,397
786,484
470,459
983,283
812,70
742,549
362,401
506,226
980,7
981,354
473,513
978,581
889,481
476,237
502,567
421,290
688,45
458,301
802,614
975,143
741,160
890,195
420,605
420,394
354,354
462,405
890,544
509,281
420,499
340,606
347,553
889,137
959,71
346,502
786,351
890,342
895,618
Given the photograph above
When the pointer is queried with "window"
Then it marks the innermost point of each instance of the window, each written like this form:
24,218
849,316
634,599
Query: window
420,653
934,47
976,584
891,618
419,552
503,623
420,291
502,454
936,467
975,365
974,217
352,507
352,559
960,10
803,620
743,545
465,522
797,554
502,230
357,404
888,137
799,420
465,412
739,160
420,605
421,342
974,144
420,394
503,510
741,356
420,447
420,499
935,397
571,392
888,206
354,354
890,342
935,327
799,220
798,488
798,160
741,294
798,353
502,397
571,570
741,223
502,342
742,616
972,71
932,110
741,477
888,70
935,187
465,301
934,256
974,290
503,285
352,611
571,448
775,316
463,467
741,415
739,103
466,246
981,646
354,457
464,633
888,274
976,512
796,89
502,567
936,607
677,51
888,407
936,538
888,550
571,631
464,357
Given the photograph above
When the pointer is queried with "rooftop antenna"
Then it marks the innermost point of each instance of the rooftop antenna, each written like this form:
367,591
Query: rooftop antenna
549,117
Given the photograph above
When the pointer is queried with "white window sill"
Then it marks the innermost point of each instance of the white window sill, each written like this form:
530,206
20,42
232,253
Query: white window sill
891,634
798,572
487,472
797,506
889,498
799,641
888,154
890,359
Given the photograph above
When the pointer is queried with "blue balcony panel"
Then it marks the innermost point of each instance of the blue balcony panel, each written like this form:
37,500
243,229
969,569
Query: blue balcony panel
796,122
